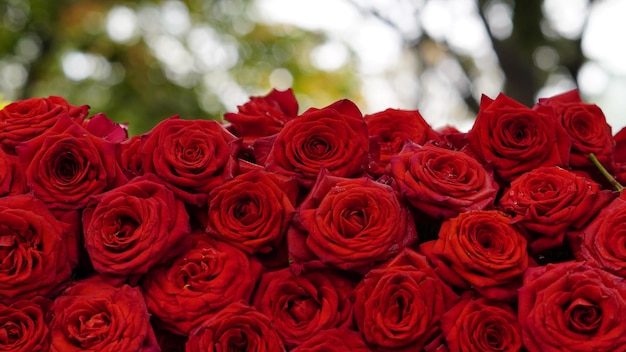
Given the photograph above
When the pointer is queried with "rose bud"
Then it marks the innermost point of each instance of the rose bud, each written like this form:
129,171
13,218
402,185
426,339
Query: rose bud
237,327
93,315
303,306
571,306
480,250
515,139
442,183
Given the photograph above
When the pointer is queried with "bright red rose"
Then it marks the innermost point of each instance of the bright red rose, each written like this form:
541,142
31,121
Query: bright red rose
480,325
351,224
602,241
12,180
252,211
480,250
132,228
26,119
333,138
548,201
263,116
102,126
130,159
572,306
237,327
515,139
93,315
393,128
441,182
303,306
336,340
24,326
66,165
191,156
198,283
586,126
33,253
398,307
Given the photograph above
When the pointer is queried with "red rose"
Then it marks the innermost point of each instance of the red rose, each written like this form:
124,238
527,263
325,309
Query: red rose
130,159
548,201
620,146
333,138
480,250
33,252
12,180
252,211
191,156
602,241
441,182
134,227
351,224
263,116
24,326
303,306
337,340
398,306
237,327
198,283
515,139
101,126
66,165
392,128
92,315
586,126
480,325
572,307
25,119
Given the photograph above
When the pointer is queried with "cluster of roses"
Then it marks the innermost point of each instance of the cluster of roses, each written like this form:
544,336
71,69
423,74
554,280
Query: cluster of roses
326,230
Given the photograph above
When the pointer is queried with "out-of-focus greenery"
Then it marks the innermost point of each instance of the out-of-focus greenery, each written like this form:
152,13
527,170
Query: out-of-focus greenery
188,57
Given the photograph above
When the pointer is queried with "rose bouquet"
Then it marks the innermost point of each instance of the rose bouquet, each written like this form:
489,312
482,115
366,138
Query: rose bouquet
325,230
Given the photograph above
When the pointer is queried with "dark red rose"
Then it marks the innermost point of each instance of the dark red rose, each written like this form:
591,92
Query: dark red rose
452,136
398,307
303,306
392,128
586,126
237,327
572,306
548,201
25,119
351,224
620,146
66,165
333,138
12,180
263,116
101,126
134,227
337,340
515,139
252,211
170,342
93,315
198,283
33,253
480,250
441,182
24,326
602,241
480,325
192,156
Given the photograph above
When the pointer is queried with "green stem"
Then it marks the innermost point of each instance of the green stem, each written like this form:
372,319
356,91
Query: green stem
605,173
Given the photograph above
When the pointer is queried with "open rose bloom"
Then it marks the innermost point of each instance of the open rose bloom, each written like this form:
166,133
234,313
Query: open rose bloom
319,230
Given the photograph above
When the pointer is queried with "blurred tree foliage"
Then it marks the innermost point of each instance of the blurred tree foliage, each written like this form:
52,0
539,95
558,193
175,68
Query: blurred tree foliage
142,61
188,58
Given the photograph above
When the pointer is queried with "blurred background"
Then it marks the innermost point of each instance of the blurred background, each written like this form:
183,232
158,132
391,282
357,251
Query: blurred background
142,61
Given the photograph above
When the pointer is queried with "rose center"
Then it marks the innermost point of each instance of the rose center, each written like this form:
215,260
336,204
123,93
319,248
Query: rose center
492,336
302,309
354,222
246,211
68,169
120,235
317,148
10,333
89,329
583,316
